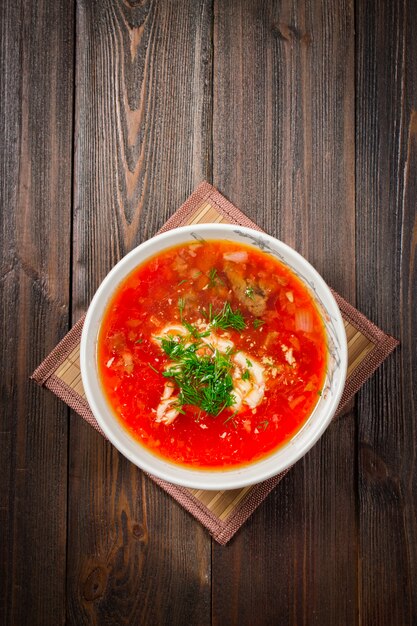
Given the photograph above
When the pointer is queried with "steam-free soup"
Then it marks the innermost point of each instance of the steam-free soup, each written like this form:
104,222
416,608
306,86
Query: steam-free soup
212,354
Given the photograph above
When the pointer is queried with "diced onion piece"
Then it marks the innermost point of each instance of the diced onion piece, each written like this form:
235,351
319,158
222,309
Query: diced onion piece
289,356
271,338
295,342
133,323
128,362
290,296
247,425
303,320
236,257
117,341
295,402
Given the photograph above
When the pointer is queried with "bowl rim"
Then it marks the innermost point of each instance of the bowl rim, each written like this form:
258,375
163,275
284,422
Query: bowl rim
228,478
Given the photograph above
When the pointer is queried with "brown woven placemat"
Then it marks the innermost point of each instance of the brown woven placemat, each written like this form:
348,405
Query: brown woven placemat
221,512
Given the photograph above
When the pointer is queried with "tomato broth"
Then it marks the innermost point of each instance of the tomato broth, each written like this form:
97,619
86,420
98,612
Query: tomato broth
212,354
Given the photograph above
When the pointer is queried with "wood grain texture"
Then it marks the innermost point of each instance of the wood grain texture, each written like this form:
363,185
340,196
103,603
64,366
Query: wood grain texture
143,127
36,140
283,150
296,111
386,172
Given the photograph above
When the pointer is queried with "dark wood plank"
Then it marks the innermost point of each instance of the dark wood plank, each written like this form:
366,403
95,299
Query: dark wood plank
386,153
143,143
284,152
36,139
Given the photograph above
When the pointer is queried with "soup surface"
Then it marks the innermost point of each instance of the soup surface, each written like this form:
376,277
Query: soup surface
212,354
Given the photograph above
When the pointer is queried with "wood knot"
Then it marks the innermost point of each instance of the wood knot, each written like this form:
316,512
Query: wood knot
373,466
289,33
140,532
95,584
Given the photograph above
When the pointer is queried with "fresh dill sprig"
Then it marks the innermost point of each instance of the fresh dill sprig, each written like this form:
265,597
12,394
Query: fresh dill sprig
173,347
258,323
249,292
214,279
227,318
245,375
230,418
208,315
181,306
203,380
194,332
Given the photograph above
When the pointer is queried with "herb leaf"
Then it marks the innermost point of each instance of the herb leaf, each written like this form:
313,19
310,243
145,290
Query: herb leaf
213,277
231,418
181,306
245,375
227,318
194,332
257,323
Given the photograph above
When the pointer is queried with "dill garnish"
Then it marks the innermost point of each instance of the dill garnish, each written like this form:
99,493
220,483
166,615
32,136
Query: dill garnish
153,368
227,318
213,277
258,323
204,380
231,418
202,373
245,375
181,306
249,292
208,315
263,425
194,332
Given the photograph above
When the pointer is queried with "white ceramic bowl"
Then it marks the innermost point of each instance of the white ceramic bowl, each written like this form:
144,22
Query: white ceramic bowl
285,456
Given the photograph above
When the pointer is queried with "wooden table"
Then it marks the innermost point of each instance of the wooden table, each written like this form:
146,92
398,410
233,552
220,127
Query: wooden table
304,115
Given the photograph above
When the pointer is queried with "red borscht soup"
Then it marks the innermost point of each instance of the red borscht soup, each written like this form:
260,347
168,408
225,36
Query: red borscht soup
212,354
